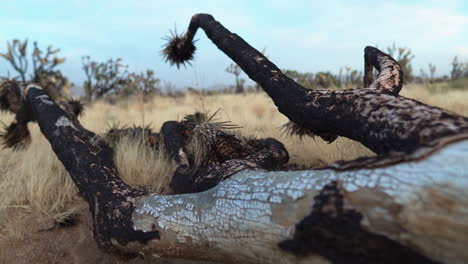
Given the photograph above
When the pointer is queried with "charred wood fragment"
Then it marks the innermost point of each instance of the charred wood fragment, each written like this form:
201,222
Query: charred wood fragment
206,150
270,156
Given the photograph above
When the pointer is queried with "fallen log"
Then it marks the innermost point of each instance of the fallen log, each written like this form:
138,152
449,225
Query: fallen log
413,212
381,211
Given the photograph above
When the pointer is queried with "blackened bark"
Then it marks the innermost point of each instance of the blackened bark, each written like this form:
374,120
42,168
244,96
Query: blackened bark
375,116
174,139
332,231
89,160
188,179
390,78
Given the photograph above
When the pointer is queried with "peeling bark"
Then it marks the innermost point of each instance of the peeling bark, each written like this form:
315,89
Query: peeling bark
383,215
375,116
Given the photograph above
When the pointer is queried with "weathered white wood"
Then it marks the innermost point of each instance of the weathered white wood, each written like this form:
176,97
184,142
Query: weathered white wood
422,204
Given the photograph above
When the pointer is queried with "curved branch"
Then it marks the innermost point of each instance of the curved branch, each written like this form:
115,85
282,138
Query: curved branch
374,116
390,78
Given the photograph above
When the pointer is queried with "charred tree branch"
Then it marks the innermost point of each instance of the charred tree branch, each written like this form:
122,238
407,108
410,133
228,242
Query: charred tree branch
375,116
89,160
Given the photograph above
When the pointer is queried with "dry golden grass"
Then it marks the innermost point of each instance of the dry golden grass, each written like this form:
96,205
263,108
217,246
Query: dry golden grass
34,183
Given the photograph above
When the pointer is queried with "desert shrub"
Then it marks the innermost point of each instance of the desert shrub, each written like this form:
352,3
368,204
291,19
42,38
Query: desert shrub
112,77
44,63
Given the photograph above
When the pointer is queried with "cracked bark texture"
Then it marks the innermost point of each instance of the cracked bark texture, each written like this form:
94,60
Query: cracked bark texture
379,215
376,115
413,211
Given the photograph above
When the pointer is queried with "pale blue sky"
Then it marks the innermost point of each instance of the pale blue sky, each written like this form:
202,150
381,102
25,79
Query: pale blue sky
303,35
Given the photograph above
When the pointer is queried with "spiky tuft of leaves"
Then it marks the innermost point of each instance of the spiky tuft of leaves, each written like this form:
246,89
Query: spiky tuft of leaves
15,136
204,131
73,107
179,49
10,96
294,129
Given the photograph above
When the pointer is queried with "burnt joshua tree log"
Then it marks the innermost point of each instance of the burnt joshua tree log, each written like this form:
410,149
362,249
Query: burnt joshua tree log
375,116
413,212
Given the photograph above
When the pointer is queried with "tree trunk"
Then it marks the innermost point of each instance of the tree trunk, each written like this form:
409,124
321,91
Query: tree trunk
412,212
386,215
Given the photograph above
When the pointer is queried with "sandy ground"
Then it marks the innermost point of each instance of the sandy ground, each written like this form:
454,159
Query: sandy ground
66,245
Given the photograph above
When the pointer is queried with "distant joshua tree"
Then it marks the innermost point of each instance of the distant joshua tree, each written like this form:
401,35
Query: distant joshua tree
459,69
44,66
103,77
112,76
236,71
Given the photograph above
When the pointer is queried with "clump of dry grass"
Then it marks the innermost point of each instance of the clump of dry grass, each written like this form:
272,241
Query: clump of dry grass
143,167
34,183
